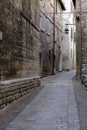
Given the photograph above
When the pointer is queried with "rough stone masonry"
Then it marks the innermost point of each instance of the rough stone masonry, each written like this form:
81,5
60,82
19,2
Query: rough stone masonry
81,6
19,48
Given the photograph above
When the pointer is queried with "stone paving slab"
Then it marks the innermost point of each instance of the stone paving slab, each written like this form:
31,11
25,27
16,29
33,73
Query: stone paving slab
54,108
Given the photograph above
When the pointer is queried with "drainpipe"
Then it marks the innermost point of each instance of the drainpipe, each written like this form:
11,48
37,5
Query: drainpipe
53,48
80,42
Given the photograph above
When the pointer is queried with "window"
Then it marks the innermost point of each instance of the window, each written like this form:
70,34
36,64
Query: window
42,22
86,23
40,56
1,35
56,35
71,33
71,7
48,27
49,54
74,37
71,53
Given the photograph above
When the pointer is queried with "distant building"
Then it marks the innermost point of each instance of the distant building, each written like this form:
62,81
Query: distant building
51,57
69,43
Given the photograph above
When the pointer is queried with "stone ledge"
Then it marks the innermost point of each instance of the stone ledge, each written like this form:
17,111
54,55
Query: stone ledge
12,90
7,82
84,80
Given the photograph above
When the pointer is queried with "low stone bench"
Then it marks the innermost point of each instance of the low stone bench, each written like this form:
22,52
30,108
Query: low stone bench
12,90
84,71
84,80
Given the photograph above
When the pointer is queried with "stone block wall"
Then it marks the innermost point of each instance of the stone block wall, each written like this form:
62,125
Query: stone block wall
78,50
46,37
46,51
19,46
14,89
81,38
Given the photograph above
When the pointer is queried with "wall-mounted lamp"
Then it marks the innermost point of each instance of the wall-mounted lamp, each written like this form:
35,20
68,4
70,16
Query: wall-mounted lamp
66,30
77,18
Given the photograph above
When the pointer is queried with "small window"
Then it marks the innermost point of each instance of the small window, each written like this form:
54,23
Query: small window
71,33
71,53
48,27
49,54
42,22
40,56
56,35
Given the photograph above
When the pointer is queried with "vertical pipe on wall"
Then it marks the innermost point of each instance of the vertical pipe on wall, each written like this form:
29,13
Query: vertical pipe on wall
53,49
80,41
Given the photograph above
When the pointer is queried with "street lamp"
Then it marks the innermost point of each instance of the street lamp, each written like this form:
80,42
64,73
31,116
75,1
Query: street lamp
53,48
77,18
66,29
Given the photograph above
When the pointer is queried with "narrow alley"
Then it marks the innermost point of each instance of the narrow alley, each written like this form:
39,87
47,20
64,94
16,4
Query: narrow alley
43,64
53,108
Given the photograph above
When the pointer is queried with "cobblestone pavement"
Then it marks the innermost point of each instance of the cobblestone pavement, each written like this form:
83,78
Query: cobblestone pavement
54,108
81,99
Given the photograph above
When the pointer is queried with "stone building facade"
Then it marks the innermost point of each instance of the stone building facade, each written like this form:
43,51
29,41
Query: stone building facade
47,36
81,7
19,49
19,43
31,45
69,43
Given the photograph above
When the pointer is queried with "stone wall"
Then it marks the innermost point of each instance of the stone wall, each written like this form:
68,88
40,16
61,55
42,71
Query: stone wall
46,37
12,90
19,46
46,54
81,38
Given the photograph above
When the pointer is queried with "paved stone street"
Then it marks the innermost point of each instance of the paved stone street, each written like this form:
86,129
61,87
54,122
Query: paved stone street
81,99
53,108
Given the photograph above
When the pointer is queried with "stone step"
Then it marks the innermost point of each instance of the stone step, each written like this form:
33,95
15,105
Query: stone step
84,62
84,67
84,81
84,78
84,71
85,85
15,89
